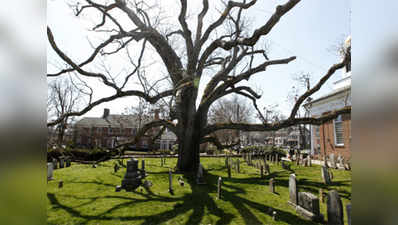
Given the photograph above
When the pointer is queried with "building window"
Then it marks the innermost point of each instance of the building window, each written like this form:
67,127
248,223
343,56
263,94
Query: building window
338,131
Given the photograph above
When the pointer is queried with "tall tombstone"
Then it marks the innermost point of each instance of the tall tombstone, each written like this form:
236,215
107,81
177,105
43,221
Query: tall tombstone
325,175
348,210
332,161
170,182
199,176
277,159
61,162
50,171
55,163
292,189
132,177
272,185
334,209
219,188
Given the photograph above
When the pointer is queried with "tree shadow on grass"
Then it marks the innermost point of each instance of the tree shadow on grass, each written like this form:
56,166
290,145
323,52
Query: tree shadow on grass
198,201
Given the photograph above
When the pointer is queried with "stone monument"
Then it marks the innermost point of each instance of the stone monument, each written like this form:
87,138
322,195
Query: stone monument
133,177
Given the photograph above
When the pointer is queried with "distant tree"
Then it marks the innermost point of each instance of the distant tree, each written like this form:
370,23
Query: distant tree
234,110
63,98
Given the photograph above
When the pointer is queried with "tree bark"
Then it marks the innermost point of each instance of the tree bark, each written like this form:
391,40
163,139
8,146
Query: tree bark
189,127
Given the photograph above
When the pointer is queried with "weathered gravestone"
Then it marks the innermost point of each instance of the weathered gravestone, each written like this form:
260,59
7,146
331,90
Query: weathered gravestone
61,162
332,161
115,168
292,190
132,178
325,175
55,163
308,206
49,171
334,208
219,188
348,210
272,185
199,176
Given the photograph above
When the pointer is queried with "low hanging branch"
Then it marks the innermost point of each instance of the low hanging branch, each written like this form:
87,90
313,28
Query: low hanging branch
276,126
217,143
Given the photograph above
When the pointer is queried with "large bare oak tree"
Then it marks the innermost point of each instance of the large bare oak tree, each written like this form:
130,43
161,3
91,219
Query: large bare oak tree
205,50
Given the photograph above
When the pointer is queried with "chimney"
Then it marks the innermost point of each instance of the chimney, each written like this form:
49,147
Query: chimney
106,113
157,114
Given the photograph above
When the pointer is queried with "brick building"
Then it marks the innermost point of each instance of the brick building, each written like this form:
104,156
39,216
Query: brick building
110,130
333,137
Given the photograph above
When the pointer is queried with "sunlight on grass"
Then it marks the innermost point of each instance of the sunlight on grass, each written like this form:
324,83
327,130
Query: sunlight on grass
89,196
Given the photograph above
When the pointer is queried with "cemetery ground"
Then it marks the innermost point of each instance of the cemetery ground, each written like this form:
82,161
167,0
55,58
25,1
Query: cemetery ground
88,195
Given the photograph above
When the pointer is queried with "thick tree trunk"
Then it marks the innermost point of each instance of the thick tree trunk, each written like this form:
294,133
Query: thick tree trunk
189,126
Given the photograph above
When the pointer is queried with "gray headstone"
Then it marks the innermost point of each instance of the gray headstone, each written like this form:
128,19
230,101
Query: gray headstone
348,208
199,175
50,171
292,189
308,207
133,177
61,163
309,202
272,185
55,163
332,161
334,208
219,188
325,175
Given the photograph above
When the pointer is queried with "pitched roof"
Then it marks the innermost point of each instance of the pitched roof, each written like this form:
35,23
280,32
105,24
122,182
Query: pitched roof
126,121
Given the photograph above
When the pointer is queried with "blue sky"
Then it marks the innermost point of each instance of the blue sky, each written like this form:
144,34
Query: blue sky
308,31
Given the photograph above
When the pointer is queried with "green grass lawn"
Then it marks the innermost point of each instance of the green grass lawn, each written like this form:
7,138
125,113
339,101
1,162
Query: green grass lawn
89,197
